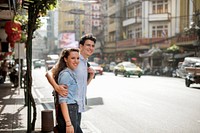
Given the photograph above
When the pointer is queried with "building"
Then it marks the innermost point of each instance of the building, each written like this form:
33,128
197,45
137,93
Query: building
135,25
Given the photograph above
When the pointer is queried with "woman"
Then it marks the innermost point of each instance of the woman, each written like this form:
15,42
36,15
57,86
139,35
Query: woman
64,75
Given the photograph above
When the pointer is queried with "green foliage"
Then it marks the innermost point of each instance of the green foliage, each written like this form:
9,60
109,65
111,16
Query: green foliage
41,8
173,48
131,53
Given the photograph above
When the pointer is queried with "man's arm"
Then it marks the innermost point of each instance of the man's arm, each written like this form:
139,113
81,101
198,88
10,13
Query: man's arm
61,89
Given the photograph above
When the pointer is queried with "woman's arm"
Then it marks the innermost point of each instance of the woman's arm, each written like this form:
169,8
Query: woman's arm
92,73
61,89
69,126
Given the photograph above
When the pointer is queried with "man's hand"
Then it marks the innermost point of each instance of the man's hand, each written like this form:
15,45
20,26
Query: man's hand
62,90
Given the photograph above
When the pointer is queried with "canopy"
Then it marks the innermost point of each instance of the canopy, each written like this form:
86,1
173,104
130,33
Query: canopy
151,52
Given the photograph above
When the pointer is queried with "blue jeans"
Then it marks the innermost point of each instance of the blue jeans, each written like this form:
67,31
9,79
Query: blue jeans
79,130
73,113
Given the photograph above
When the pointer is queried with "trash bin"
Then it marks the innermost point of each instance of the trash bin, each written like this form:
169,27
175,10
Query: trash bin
47,121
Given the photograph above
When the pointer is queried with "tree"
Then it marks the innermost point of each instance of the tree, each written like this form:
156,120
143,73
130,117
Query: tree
173,49
36,9
130,54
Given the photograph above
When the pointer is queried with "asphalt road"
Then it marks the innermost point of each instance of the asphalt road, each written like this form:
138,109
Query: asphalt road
148,104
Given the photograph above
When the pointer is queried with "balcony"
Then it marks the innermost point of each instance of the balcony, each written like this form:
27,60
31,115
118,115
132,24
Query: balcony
5,12
110,47
130,21
112,27
186,40
139,41
112,10
159,17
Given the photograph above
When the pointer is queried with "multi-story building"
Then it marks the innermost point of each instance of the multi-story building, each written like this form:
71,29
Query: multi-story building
140,25
189,24
71,18
76,18
113,30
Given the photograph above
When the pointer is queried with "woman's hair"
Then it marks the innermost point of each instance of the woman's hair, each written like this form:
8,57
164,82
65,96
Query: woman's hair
61,62
87,37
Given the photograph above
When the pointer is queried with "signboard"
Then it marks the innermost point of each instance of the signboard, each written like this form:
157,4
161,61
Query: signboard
67,40
6,14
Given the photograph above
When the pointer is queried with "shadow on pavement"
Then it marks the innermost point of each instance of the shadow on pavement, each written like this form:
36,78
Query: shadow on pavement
95,101
10,108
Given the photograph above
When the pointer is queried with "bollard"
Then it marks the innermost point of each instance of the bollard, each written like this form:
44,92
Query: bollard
47,121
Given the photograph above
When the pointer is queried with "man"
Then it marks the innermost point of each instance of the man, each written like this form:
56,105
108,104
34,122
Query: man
87,46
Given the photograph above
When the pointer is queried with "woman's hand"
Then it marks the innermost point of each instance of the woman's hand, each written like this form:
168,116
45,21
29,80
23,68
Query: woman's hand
92,72
69,129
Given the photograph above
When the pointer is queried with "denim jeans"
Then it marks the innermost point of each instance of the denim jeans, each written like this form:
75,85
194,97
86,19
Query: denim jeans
79,130
73,113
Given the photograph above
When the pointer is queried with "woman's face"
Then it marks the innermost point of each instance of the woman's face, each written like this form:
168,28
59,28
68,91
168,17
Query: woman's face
72,60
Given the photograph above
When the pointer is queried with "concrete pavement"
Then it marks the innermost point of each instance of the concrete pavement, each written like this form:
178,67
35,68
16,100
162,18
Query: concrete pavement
13,112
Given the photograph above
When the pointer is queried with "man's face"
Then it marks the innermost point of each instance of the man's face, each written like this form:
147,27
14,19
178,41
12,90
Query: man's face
87,49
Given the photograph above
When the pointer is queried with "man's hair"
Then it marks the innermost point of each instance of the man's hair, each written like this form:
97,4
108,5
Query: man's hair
87,37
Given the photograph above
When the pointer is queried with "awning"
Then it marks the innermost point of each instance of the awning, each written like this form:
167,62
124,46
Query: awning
151,52
179,56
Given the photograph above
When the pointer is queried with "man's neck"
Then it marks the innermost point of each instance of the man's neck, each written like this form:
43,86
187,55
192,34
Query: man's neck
84,56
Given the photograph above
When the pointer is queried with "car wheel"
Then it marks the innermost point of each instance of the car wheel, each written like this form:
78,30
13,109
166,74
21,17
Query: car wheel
125,74
187,82
139,75
115,73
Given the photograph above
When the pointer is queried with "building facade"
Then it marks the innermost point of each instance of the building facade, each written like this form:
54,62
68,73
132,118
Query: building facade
135,25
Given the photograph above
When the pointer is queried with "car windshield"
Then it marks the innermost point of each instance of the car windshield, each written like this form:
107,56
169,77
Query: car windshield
130,65
93,64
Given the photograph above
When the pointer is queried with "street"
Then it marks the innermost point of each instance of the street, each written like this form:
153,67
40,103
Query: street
149,104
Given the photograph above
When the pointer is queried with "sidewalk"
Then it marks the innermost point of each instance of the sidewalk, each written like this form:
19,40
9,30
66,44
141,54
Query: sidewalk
13,113
12,109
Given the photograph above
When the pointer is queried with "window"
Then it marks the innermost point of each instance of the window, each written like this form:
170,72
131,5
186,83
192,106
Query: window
130,34
130,12
112,36
138,11
160,6
69,23
95,15
138,32
160,31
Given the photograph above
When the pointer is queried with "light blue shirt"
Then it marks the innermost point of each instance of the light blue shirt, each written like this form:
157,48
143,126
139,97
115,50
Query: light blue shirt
81,72
67,77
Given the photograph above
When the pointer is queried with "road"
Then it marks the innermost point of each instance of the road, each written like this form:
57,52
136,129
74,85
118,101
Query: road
148,104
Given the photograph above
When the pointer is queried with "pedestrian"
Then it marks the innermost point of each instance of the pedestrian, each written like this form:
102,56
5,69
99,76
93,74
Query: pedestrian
68,107
4,69
86,46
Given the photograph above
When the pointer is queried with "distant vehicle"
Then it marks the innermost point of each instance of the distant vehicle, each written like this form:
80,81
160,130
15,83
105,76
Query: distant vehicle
188,62
180,71
98,69
127,69
49,64
193,75
37,64
111,66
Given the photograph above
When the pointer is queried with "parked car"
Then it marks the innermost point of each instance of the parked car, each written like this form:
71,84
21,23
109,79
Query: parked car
188,62
37,64
193,75
98,69
127,69
111,66
49,64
